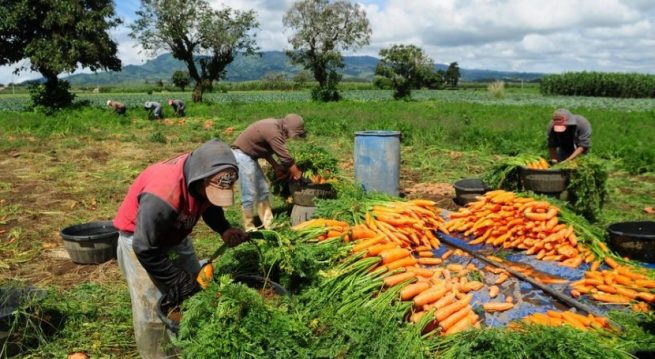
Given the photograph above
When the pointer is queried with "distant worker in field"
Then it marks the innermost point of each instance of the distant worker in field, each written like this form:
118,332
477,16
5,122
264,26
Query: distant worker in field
155,253
263,139
569,136
118,107
154,109
178,106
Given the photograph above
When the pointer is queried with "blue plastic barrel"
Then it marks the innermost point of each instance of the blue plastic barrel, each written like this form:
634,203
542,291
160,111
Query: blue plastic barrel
377,161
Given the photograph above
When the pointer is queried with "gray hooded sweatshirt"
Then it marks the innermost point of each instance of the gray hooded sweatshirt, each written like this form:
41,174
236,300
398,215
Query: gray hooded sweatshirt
162,206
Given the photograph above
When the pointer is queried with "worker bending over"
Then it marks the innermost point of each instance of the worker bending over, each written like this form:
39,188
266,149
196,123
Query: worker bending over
263,139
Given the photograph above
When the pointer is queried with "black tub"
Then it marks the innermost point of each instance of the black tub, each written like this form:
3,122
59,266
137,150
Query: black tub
252,281
544,181
304,194
466,190
635,240
90,243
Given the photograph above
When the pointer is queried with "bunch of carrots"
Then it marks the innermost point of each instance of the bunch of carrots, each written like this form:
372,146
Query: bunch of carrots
557,318
620,285
500,218
405,224
540,164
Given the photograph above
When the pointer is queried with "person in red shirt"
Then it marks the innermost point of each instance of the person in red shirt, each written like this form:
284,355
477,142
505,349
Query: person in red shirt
155,253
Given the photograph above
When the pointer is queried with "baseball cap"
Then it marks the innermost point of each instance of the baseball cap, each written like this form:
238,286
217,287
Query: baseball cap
219,188
560,120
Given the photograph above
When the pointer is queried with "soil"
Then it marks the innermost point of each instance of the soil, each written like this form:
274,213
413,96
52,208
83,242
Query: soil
441,193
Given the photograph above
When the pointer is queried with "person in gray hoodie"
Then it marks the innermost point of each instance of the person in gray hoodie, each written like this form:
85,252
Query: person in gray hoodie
155,253
265,139
569,136
154,109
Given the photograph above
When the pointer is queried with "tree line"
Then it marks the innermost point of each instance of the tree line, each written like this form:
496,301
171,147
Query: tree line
62,36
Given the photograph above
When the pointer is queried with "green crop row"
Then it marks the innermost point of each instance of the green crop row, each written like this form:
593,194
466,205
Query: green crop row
513,98
599,84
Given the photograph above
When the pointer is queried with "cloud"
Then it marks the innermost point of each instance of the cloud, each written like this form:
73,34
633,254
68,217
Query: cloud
519,35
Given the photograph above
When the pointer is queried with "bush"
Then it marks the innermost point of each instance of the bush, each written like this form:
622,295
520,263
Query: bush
497,89
47,97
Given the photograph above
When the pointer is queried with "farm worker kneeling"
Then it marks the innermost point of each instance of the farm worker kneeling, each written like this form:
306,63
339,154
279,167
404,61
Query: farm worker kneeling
263,139
118,107
154,109
155,219
569,136
178,106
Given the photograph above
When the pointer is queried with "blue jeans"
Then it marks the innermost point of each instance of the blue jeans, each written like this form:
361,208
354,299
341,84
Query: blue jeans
252,182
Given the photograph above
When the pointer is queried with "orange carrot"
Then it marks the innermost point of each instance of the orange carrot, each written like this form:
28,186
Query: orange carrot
497,307
398,278
429,296
363,244
427,254
413,290
610,298
393,254
463,324
430,261
376,249
455,317
446,311
501,278
493,291
611,262
403,262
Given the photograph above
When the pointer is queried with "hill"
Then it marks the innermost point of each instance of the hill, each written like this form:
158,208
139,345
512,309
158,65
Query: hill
249,68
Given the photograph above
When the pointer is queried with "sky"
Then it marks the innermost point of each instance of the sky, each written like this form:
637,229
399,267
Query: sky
550,36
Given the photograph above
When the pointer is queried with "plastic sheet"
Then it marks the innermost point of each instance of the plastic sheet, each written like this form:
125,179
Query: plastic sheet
527,298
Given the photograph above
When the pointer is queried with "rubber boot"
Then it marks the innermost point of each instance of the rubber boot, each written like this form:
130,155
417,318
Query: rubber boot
248,223
265,213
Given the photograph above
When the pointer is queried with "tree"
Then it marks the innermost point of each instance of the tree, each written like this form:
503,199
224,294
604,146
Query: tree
407,66
322,29
181,79
452,75
57,37
192,31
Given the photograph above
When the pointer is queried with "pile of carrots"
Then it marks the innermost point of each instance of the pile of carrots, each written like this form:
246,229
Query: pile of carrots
620,285
540,164
401,235
556,318
501,219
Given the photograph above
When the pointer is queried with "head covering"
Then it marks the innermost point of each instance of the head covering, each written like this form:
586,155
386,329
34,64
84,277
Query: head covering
219,190
561,119
208,160
293,125
108,102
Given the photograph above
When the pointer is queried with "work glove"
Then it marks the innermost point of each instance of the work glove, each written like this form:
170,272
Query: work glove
234,236
185,286
295,173
281,174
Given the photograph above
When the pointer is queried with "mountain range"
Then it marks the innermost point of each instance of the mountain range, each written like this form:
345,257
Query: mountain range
249,68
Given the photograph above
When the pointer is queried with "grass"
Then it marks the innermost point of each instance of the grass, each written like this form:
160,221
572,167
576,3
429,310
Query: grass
76,166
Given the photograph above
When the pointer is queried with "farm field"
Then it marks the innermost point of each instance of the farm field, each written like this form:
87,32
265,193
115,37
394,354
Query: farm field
76,166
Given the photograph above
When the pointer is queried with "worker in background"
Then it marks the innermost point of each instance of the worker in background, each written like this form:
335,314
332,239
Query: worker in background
569,136
118,107
178,106
154,110
263,139
160,209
